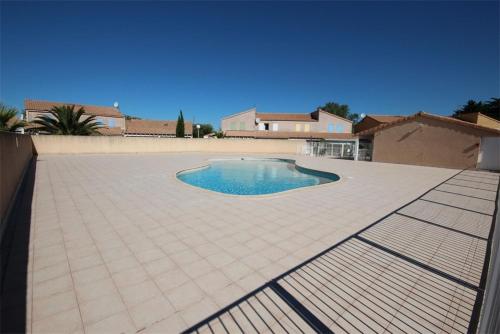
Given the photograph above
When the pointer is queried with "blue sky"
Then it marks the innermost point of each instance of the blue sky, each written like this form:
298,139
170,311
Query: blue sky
213,59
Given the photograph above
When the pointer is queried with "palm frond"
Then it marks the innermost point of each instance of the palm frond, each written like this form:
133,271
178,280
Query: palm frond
8,121
65,120
17,125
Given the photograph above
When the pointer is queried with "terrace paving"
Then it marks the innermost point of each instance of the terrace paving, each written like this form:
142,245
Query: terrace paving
118,244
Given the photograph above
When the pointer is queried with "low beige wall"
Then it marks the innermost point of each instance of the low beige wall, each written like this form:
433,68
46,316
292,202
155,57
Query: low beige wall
16,151
105,144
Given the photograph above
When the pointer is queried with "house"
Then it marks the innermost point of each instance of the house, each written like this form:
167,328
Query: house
112,119
371,121
430,140
480,119
150,128
316,125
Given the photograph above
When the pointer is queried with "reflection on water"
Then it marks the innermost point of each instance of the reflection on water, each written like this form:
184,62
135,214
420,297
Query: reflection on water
253,177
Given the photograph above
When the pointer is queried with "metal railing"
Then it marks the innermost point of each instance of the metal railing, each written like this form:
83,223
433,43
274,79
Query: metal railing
338,150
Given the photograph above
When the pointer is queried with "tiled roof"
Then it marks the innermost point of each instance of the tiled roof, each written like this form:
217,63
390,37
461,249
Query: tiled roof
42,106
103,131
285,117
288,135
449,120
385,118
148,127
110,131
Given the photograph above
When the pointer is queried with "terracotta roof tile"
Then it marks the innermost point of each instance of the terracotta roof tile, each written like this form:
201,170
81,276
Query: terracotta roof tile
285,117
150,127
288,135
42,106
446,119
385,118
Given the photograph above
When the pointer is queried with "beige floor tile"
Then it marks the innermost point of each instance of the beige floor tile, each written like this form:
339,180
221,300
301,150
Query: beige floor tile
185,295
198,311
94,290
129,277
81,263
46,307
172,325
89,275
51,272
82,206
117,323
228,294
206,249
171,279
255,261
198,268
213,281
115,266
150,255
138,293
251,282
63,322
185,257
101,308
47,261
53,286
221,259
156,267
151,311
236,270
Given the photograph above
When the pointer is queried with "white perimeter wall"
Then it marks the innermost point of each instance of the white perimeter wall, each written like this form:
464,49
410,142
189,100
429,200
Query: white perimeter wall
489,153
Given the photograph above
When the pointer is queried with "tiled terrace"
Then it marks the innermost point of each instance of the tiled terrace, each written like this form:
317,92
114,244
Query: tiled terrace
400,274
117,244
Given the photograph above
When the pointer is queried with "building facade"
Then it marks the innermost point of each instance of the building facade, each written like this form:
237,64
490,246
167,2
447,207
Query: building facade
429,140
318,124
111,118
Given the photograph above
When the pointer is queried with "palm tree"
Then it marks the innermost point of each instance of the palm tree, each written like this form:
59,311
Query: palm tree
8,120
471,107
65,121
493,108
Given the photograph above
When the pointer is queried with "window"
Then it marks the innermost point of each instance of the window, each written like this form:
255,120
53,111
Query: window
242,126
298,127
307,127
331,127
101,120
232,126
261,127
266,126
340,128
111,122
275,126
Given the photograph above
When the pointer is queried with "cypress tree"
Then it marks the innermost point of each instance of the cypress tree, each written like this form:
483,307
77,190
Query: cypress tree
179,130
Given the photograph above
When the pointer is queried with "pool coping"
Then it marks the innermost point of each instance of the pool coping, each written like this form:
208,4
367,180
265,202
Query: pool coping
206,164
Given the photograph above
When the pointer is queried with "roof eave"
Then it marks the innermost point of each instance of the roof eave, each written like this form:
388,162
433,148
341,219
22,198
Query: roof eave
454,121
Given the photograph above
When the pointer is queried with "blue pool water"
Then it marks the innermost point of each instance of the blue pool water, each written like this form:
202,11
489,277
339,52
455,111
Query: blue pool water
254,177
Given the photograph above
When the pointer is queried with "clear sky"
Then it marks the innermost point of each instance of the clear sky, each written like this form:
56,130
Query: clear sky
214,59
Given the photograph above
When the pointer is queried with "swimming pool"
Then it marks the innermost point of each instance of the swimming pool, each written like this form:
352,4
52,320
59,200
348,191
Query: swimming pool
254,176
